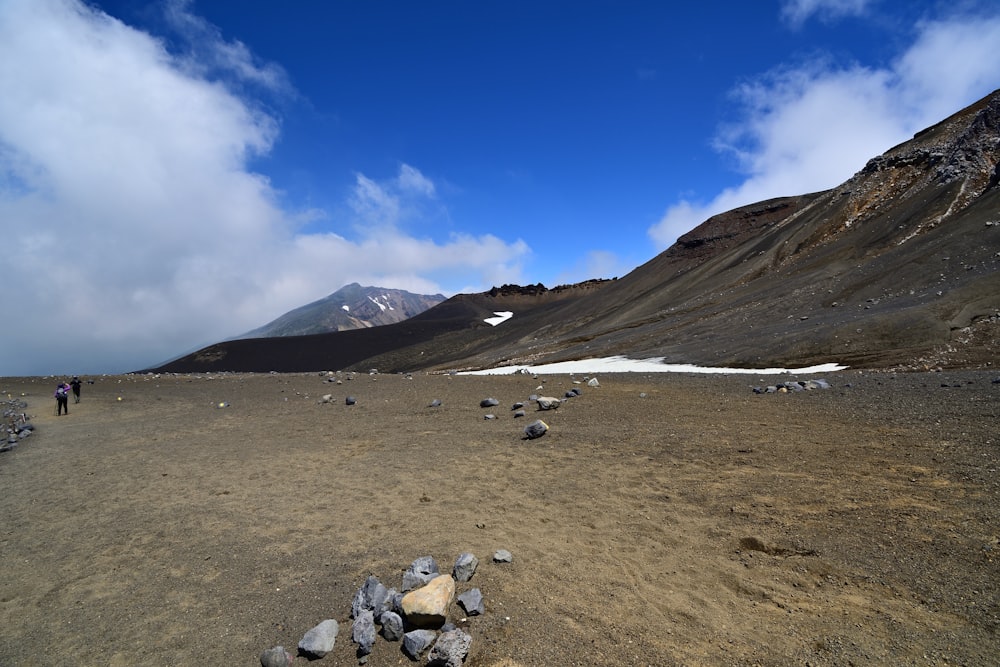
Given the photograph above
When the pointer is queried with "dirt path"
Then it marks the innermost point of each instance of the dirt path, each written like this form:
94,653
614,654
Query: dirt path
699,524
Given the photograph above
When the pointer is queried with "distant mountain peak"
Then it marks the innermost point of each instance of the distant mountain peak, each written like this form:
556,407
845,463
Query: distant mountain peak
353,306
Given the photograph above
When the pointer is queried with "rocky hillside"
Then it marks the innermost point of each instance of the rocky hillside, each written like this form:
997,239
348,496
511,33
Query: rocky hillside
350,307
897,267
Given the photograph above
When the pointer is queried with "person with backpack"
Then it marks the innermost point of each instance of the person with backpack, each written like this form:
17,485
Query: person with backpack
75,384
62,398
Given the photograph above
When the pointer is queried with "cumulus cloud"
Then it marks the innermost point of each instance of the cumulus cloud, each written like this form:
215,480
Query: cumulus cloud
811,127
132,226
797,12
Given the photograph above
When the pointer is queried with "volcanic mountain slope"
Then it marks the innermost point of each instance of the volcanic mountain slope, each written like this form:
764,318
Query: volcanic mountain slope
350,307
896,267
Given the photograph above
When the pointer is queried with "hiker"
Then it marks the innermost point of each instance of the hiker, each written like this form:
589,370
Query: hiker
62,398
75,384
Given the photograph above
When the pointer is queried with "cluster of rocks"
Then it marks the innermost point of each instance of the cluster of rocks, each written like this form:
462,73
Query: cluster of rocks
537,428
416,616
792,386
16,426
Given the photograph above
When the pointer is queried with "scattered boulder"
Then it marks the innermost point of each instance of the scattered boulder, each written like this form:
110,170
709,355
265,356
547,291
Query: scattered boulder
488,403
472,602
548,403
372,596
592,382
519,413
465,567
502,556
535,429
350,400
319,640
450,649
436,403
427,607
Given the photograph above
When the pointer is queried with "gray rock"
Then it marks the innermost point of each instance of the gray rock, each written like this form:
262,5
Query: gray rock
592,382
472,602
436,403
416,642
420,572
519,413
490,416
276,657
392,625
450,649
319,641
517,406
502,556
363,632
488,402
350,400
465,567
371,597
535,429
548,403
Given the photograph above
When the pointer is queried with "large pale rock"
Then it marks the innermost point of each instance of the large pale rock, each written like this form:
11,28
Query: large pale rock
427,607
548,403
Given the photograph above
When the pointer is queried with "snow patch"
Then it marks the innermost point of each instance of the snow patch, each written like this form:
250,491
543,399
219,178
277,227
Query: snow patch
346,307
620,364
377,303
500,318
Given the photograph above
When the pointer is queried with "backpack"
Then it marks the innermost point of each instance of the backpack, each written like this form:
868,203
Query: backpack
60,391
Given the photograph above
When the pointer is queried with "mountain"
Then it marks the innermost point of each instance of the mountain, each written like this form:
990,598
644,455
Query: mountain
897,267
350,307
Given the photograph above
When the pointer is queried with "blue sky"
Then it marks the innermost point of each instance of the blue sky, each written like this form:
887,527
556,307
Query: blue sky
173,173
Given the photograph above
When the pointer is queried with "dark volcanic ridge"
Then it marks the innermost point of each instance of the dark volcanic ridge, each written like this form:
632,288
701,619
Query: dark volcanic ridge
897,267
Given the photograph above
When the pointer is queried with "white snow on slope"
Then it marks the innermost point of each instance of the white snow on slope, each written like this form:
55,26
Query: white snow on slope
500,318
346,307
619,364
377,303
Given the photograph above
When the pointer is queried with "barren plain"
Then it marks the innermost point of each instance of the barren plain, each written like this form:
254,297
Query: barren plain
663,520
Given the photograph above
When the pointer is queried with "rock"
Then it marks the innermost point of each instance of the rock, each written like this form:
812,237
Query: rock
548,403
319,641
276,657
592,382
420,572
392,625
350,400
502,556
363,632
472,602
535,429
436,403
488,402
490,416
519,413
427,607
465,567
416,642
326,398
517,406
450,649
371,597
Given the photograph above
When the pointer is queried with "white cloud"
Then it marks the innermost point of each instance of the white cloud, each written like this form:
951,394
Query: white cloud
797,12
812,127
132,227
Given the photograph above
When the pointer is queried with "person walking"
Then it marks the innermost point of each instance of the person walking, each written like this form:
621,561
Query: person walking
62,398
75,384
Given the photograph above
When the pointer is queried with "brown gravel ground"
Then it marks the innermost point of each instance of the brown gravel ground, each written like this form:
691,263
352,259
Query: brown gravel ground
700,524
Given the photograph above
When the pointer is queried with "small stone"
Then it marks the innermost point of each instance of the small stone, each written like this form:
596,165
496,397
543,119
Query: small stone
276,657
392,625
592,382
517,406
319,641
350,400
450,649
436,403
416,642
472,602
519,413
420,572
465,567
535,429
502,556
489,416
488,402
363,632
